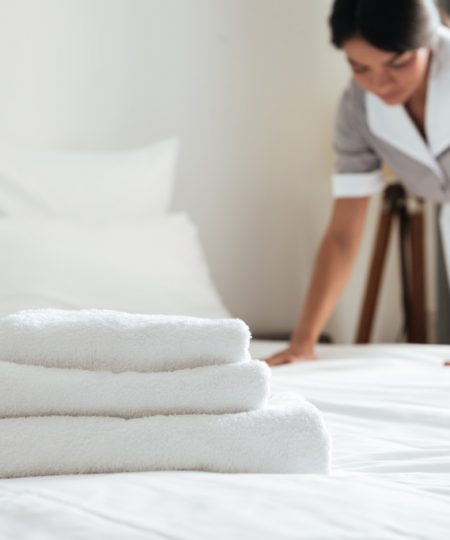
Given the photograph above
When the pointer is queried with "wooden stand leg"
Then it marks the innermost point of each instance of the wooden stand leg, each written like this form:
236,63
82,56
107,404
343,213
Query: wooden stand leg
405,268
418,327
375,274
412,266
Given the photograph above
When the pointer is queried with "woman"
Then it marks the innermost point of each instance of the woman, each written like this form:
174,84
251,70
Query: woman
396,110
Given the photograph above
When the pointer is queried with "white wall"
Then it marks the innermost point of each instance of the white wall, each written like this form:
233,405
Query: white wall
250,86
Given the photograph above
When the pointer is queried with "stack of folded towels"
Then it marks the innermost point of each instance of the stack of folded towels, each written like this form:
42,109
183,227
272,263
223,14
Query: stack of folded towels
102,391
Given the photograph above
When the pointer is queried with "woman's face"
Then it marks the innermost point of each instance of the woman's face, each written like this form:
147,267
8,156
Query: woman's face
392,77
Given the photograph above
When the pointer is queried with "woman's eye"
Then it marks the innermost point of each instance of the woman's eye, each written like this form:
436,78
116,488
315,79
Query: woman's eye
359,69
400,65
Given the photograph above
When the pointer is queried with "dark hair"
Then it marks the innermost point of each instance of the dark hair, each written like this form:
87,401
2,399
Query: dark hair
391,25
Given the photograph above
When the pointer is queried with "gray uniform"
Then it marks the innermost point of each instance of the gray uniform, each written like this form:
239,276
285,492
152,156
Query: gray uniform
369,133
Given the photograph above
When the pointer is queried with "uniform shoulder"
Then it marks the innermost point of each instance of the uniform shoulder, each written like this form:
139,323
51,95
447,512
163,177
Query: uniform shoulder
353,99
352,106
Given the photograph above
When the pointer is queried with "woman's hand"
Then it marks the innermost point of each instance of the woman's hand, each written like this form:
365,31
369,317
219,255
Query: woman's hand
290,355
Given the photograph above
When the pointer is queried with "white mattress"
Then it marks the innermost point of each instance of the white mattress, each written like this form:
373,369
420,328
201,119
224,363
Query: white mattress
388,409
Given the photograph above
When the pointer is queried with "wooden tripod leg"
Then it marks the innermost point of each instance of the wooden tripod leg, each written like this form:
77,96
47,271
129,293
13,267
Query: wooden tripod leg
418,327
375,275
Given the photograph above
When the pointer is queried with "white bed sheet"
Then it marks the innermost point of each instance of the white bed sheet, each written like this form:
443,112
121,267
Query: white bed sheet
388,409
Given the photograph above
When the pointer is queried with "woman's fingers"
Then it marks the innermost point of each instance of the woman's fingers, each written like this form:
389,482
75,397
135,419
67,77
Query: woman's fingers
286,357
279,359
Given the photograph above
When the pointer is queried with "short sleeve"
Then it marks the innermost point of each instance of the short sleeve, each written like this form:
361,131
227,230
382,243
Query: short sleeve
358,168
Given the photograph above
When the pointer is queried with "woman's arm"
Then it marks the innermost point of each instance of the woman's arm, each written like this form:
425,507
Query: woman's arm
333,265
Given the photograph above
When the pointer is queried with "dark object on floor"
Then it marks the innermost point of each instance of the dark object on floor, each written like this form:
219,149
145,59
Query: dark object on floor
326,338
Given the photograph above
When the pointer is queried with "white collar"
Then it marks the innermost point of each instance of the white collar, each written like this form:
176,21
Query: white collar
394,125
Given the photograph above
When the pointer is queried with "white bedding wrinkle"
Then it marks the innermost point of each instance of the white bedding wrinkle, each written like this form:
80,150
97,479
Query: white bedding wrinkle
387,406
114,341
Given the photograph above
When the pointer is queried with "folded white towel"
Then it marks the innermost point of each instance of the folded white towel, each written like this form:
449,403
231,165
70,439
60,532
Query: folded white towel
288,436
34,390
116,341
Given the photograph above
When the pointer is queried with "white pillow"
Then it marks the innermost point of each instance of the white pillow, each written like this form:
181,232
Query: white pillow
88,187
152,267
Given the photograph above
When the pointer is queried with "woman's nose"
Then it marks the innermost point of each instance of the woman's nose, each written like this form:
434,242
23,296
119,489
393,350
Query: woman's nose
380,80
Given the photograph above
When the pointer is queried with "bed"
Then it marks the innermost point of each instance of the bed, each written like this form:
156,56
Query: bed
70,241
388,409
